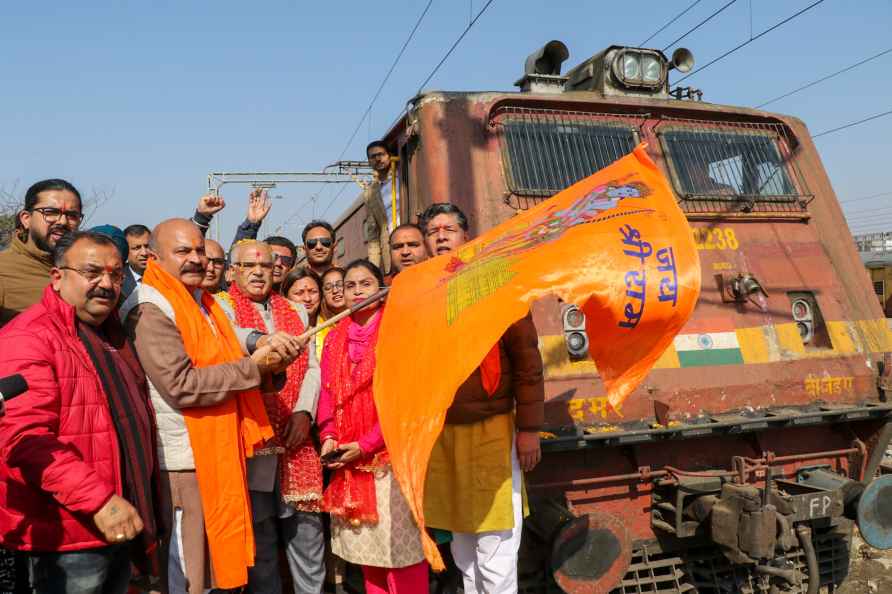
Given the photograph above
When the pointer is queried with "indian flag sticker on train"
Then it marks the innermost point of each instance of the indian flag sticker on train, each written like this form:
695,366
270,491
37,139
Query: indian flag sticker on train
709,348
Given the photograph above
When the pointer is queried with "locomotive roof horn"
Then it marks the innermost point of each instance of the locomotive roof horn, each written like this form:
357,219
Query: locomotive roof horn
682,60
542,69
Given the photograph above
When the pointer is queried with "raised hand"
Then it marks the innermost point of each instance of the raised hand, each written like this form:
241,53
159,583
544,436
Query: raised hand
210,205
259,204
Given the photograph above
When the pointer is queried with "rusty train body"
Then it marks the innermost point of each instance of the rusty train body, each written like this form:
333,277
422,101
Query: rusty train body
745,459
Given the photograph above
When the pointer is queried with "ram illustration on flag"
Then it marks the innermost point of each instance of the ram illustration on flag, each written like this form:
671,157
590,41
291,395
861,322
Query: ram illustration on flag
615,243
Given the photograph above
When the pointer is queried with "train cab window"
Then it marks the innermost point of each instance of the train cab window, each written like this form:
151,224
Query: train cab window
544,153
728,165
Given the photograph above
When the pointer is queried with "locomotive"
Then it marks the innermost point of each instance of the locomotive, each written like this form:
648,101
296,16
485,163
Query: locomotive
745,459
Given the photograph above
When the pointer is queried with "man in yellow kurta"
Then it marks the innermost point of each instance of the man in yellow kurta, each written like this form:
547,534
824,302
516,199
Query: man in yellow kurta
474,484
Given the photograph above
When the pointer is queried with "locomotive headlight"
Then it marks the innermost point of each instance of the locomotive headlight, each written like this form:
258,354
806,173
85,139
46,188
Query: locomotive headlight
634,67
573,321
576,342
801,310
631,66
651,68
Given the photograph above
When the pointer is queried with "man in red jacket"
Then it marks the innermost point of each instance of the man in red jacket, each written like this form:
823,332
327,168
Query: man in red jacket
76,458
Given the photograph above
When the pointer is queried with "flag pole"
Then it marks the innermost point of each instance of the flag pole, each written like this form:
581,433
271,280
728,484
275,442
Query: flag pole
350,310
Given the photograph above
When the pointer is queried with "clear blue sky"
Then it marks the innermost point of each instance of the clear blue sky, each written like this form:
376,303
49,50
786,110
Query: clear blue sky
148,98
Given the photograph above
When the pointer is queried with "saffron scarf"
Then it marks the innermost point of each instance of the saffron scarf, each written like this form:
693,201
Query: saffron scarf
348,369
221,435
300,471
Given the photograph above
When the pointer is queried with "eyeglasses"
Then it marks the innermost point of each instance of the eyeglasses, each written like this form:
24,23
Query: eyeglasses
217,261
93,275
331,287
252,265
325,241
51,215
286,261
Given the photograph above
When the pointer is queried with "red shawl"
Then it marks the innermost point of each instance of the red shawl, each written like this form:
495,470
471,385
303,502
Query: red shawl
300,472
351,493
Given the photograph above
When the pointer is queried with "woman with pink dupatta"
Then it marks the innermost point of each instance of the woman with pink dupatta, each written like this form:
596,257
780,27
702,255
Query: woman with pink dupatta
371,524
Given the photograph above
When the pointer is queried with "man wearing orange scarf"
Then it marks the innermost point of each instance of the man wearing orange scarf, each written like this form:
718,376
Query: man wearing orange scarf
474,482
285,478
208,408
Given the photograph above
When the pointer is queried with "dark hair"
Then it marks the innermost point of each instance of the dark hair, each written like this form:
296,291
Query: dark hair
364,263
376,143
405,226
32,195
297,274
136,230
337,269
282,242
67,241
314,224
438,208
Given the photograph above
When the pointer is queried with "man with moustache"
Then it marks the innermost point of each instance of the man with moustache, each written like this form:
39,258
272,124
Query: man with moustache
406,247
284,250
491,436
208,410
52,208
138,250
213,276
285,478
77,478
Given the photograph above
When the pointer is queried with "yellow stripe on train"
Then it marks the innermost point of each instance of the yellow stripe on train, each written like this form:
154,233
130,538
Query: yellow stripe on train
758,344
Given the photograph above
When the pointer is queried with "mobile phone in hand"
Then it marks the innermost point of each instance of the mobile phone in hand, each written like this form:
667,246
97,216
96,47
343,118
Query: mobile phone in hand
331,457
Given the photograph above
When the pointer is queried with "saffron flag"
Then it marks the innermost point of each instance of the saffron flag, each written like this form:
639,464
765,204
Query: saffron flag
616,244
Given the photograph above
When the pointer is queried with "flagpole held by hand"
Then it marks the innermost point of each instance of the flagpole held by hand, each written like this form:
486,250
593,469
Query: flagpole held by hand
350,310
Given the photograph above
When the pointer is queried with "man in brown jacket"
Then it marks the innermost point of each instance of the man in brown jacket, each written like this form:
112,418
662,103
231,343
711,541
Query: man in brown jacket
52,209
175,383
491,436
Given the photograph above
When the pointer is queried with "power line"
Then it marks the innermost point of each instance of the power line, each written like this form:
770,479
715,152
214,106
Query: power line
385,79
454,45
701,23
867,215
678,16
862,198
849,125
332,201
750,40
823,78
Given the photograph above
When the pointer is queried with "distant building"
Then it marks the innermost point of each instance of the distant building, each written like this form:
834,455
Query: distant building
879,267
880,242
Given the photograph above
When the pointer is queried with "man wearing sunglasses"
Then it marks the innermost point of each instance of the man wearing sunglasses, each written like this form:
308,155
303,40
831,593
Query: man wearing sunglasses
319,240
52,209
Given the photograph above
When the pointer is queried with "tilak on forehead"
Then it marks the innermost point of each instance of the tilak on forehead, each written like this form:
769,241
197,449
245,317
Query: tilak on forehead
251,248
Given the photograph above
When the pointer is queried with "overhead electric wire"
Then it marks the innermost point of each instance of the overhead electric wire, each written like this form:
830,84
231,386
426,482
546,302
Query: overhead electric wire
862,198
749,41
427,80
678,16
867,215
850,124
386,78
823,78
701,23
332,201
454,45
